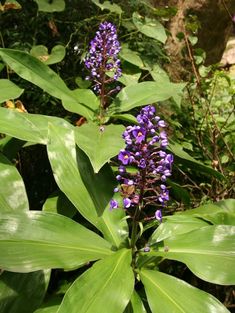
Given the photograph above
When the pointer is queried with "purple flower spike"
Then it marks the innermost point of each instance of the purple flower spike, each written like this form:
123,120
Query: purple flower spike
158,215
103,55
142,185
113,204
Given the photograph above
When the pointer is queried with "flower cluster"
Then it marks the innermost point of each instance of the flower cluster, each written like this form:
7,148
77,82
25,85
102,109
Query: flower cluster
145,150
103,55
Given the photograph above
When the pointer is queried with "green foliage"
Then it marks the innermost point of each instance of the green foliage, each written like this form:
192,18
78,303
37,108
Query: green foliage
102,261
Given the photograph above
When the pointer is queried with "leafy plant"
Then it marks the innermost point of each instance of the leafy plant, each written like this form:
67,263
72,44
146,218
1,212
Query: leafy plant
118,257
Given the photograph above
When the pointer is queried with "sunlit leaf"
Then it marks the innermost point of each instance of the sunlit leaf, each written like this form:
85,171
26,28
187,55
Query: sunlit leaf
41,52
33,70
149,27
209,252
106,5
40,240
100,144
90,193
12,190
106,287
144,93
8,90
168,294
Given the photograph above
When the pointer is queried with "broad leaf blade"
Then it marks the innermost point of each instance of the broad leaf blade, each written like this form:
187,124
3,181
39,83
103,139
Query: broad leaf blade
106,287
28,127
33,70
89,192
149,27
209,252
219,213
22,292
12,190
175,225
168,294
100,145
144,93
41,240
8,90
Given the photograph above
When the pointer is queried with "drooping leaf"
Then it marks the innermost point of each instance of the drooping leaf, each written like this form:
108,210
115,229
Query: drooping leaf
175,225
50,6
144,93
106,287
33,70
168,294
100,145
106,5
149,27
208,252
219,213
89,192
22,292
9,90
28,127
188,160
40,240
41,52
12,190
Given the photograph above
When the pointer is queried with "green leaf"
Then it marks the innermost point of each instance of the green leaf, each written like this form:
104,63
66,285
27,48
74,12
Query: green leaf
40,240
87,98
220,213
184,157
41,52
59,203
149,27
131,57
106,5
33,70
22,292
169,294
8,90
143,93
28,127
12,190
175,225
100,145
50,6
89,192
208,252
135,305
106,287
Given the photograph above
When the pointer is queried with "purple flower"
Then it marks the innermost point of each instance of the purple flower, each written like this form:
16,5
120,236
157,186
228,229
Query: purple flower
143,186
103,55
158,215
113,204
124,157
139,134
126,203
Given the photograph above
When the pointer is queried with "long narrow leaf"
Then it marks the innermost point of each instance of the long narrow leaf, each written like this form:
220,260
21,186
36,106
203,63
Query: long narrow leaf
106,287
41,240
168,294
12,190
209,252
